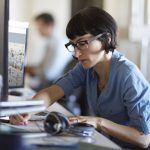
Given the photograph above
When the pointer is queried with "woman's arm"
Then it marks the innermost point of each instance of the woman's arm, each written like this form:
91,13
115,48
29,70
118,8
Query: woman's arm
122,132
50,94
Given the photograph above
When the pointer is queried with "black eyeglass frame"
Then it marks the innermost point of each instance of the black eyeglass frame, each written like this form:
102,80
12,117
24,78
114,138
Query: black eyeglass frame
87,41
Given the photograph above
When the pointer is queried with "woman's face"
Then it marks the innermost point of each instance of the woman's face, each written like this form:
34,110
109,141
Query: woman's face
91,52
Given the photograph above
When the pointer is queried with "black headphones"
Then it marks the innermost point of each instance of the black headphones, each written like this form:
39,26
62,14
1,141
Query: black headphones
56,122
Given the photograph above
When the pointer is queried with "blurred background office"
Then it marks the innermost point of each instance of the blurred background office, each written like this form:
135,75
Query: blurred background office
47,41
132,16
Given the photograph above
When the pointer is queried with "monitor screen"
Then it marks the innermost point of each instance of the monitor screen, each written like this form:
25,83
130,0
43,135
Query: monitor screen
17,43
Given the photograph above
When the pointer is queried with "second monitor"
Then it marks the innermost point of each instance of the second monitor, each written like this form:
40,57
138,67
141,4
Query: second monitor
17,53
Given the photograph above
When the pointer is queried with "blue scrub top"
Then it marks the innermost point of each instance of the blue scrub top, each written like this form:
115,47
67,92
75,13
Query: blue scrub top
126,98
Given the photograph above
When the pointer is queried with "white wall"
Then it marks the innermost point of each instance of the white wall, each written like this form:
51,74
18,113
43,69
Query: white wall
59,8
25,10
19,10
121,11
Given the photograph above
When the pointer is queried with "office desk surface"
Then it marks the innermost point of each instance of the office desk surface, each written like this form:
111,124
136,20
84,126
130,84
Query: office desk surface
96,141
82,146
73,142
100,141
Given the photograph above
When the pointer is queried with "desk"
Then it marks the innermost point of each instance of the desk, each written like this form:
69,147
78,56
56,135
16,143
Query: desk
26,93
97,142
100,141
82,146
14,142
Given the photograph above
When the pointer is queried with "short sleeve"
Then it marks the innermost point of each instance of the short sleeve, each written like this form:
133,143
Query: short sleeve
136,97
73,79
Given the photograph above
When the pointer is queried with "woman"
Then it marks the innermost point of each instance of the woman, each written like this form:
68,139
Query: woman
117,92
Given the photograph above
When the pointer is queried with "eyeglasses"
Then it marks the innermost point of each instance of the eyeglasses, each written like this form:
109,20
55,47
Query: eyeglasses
81,45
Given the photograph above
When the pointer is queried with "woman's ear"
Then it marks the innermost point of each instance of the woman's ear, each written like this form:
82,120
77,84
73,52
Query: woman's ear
109,40
109,37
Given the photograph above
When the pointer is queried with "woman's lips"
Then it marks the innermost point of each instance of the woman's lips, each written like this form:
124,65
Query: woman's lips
83,60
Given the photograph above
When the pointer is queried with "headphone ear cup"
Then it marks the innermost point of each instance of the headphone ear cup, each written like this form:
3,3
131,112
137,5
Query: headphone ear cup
64,120
55,122
52,123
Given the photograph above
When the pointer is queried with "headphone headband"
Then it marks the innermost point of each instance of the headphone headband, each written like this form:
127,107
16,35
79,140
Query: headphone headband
57,122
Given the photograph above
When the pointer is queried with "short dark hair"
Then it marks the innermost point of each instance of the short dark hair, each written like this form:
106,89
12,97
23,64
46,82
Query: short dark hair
45,17
94,20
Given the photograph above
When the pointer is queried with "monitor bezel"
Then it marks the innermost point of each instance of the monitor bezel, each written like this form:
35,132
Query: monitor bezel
4,17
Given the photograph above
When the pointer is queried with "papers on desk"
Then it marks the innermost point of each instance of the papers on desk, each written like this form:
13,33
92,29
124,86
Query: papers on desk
21,103
39,116
18,107
56,106
35,123
31,127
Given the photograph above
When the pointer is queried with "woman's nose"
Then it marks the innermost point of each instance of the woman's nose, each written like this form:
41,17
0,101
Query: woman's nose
77,52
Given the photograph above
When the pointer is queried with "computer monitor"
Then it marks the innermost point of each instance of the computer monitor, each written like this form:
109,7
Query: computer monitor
4,17
17,43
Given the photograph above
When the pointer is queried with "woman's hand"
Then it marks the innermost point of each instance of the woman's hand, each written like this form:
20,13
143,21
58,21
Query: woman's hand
95,121
20,119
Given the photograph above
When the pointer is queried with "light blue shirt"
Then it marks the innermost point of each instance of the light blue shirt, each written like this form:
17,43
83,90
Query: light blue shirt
125,100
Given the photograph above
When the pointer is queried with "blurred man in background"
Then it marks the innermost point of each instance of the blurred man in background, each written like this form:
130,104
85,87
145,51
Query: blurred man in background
47,62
